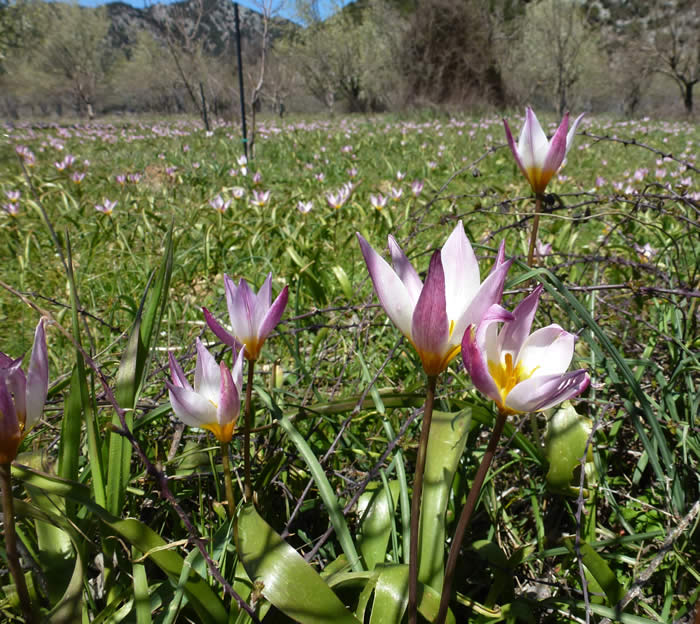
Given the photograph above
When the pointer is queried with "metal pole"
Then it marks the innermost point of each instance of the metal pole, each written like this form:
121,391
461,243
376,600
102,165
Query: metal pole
204,106
240,76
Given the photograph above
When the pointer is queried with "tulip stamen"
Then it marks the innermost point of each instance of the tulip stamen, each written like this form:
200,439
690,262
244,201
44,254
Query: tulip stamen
506,376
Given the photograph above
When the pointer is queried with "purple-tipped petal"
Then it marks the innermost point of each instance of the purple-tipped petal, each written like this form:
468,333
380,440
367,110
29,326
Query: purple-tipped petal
556,152
514,148
37,378
514,334
241,310
461,272
219,331
500,257
391,291
477,366
191,408
177,374
540,393
262,301
572,132
229,399
490,292
237,371
430,328
206,373
404,269
274,315
10,435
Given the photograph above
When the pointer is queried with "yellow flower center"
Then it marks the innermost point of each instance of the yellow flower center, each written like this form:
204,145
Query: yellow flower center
506,376
223,433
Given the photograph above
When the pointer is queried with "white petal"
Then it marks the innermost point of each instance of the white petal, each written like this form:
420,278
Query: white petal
547,351
532,145
461,273
207,376
391,291
404,269
191,408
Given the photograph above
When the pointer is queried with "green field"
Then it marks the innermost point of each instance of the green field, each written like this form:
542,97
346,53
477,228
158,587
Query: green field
336,381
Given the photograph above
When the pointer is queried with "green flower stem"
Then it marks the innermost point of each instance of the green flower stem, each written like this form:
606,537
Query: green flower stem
8,516
247,425
228,484
416,500
535,227
464,519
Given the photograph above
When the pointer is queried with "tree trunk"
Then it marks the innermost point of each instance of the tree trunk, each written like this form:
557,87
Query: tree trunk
688,97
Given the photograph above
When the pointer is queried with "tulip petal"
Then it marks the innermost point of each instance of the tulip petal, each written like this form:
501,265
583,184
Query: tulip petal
207,377
262,302
237,372
241,309
273,316
514,334
490,292
219,331
556,152
476,365
430,328
229,400
532,145
547,351
404,269
10,435
391,291
177,374
541,393
500,257
191,408
461,272
572,132
514,148
37,378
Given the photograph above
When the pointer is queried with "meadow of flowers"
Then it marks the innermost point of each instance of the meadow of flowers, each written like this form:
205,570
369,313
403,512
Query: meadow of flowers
237,404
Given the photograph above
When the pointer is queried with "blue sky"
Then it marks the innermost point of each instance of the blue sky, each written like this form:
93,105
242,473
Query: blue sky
326,7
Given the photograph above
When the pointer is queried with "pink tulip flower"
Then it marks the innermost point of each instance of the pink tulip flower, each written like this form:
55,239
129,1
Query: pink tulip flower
215,401
521,372
538,158
252,316
434,315
22,397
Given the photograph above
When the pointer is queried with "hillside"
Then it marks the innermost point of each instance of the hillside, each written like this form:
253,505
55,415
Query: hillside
210,22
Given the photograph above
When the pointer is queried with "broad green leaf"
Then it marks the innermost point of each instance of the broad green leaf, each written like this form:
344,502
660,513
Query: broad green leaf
599,569
326,491
287,581
344,282
448,437
565,443
201,596
375,512
132,370
68,607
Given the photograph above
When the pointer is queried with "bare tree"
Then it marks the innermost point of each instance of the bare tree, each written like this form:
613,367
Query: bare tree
75,50
554,48
675,32
352,56
182,22
268,9
451,51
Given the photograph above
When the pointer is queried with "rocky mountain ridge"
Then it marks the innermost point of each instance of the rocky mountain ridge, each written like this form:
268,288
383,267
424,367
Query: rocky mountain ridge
210,22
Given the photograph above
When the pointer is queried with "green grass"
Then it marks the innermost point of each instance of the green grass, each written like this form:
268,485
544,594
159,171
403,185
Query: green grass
637,315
